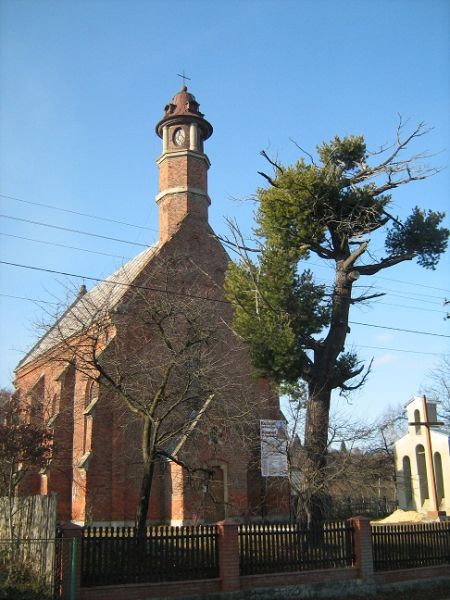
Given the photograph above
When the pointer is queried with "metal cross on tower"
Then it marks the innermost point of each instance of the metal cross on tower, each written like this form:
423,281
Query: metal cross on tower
184,77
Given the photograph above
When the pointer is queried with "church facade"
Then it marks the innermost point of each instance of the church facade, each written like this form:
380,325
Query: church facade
422,461
146,362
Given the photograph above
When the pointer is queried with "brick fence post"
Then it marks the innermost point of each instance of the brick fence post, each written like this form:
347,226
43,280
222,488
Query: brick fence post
228,555
363,547
70,560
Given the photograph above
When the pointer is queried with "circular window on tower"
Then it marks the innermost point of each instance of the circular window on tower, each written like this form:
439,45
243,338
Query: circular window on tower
179,137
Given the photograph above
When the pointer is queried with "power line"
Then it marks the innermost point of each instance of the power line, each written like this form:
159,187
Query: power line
187,295
399,350
97,235
74,212
374,287
381,292
442,312
111,282
399,329
385,303
97,217
381,289
431,287
415,299
356,345
20,237
376,276
29,299
391,292
394,295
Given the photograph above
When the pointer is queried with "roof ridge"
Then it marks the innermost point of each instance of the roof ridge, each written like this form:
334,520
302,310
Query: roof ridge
69,323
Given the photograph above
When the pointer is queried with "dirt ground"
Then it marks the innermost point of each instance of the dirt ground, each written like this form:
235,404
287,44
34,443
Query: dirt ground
431,593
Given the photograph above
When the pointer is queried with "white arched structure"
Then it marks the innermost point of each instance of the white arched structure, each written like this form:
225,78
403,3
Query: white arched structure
423,461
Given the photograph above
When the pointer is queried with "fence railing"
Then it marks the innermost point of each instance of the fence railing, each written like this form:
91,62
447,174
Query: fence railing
114,555
343,508
409,546
279,547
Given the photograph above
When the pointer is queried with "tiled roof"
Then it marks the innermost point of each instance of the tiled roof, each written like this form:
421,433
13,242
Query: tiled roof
86,309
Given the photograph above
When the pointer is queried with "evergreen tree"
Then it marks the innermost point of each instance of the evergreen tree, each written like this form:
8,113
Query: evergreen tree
295,327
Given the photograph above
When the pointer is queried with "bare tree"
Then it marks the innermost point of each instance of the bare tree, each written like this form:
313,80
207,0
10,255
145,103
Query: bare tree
360,462
438,389
163,351
24,446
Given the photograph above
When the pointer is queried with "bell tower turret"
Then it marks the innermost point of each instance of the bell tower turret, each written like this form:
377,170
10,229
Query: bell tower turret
183,165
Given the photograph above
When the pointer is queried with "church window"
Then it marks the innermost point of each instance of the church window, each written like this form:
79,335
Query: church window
90,401
439,476
91,397
417,420
422,472
407,480
54,410
36,400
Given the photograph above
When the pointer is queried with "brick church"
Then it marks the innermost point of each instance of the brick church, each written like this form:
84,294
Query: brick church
146,361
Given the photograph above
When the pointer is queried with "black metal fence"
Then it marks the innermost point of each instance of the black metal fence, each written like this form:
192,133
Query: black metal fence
114,555
279,547
409,546
376,508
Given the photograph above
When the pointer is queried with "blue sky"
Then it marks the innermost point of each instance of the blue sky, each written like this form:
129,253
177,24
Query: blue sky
84,83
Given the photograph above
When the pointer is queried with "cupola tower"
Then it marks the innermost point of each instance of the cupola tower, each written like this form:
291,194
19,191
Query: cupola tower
183,165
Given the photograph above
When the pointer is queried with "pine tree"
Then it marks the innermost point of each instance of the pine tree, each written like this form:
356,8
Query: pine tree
295,327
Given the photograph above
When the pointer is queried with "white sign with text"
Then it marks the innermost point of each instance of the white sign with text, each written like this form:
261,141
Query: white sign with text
273,448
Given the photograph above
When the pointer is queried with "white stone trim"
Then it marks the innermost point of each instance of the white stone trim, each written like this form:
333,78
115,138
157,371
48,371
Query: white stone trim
91,406
83,463
165,138
182,189
193,140
182,153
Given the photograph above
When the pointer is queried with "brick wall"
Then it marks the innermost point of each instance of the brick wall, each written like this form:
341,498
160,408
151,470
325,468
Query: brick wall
106,488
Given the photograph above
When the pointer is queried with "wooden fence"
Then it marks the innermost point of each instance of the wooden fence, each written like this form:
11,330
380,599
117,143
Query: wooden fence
33,517
410,546
28,549
114,555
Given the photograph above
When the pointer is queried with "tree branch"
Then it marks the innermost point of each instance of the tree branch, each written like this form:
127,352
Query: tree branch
384,264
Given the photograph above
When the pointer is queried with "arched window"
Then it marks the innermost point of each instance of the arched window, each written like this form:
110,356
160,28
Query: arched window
90,400
36,402
53,410
422,472
407,480
417,420
439,476
55,404
91,397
